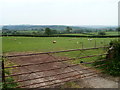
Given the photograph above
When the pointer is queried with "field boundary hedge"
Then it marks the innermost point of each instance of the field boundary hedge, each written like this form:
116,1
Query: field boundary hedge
115,36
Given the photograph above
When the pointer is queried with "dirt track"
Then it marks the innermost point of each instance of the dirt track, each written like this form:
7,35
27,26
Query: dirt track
90,82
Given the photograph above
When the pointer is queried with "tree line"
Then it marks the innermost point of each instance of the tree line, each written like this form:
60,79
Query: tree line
48,31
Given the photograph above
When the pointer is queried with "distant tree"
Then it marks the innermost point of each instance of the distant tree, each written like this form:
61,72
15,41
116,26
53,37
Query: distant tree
78,31
110,29
87,30
101,33
106,30
14,32
68,29
47,31
118,29
42,29
34,33
53,31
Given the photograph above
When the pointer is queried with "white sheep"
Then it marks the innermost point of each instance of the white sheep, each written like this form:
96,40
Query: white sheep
54,41
90,39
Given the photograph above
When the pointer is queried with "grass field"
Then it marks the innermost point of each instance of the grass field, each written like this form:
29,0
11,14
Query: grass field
80,34
110,33
44,44
107,33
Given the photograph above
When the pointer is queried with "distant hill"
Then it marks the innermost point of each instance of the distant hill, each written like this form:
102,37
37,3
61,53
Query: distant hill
99,27
54,27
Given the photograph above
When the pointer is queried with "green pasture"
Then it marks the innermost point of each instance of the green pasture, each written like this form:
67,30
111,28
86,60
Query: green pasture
110,33
45,44
107,33
80,34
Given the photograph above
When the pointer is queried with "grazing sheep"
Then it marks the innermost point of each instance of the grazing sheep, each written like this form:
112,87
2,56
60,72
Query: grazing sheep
90,39
54,41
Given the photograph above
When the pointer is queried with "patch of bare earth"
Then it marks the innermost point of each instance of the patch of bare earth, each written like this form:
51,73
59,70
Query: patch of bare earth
53,79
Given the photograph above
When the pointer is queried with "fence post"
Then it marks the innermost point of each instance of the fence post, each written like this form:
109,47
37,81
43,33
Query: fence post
3,72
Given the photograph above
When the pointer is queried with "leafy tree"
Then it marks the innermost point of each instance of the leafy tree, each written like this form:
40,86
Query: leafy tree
110,29
47,31
68,29
118,29
34,33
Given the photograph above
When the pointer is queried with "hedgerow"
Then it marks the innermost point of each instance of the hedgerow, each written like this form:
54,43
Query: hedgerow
112,63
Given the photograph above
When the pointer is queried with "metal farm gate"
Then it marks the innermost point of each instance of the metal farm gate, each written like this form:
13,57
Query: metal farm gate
50,69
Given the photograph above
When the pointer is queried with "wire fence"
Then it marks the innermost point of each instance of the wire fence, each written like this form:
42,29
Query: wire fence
49,69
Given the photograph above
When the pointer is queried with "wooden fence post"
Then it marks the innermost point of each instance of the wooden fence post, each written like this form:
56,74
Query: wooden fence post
3,72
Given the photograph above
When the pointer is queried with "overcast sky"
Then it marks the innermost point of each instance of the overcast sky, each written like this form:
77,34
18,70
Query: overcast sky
59,12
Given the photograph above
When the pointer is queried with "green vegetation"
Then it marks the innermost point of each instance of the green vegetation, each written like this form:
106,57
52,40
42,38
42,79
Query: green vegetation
112,66
68,29
101,33
47,31
44,44
110,33
70,85
7,72
78,34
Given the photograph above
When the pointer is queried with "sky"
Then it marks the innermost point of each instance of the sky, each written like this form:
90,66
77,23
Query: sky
59,12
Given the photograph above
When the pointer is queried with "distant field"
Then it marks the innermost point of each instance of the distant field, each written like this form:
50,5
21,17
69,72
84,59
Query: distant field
44,44
112,33
107,33
77,34
94,33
